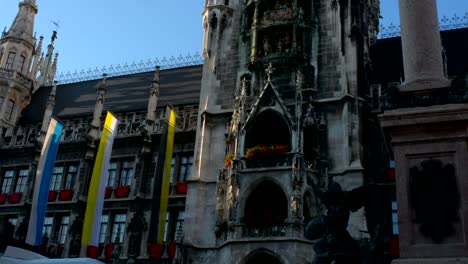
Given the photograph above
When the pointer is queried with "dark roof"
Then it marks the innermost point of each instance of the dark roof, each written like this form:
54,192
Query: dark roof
387,60
180,86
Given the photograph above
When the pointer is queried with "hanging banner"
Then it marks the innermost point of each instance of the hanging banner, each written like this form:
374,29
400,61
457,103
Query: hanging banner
161,184
42,182
92,220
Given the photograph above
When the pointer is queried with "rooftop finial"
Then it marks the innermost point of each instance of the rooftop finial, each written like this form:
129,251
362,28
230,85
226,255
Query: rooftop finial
269,71
299,79
155,82
243,91
54,36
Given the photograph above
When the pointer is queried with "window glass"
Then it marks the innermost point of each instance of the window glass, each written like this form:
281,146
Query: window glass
19,66
7,181
173,162
118,228
62,236
179,230
70,177
9,109
21,181
56,178
185,168
1,102
104,226
10,60
112,174
47,229
166,227
394,218
126,173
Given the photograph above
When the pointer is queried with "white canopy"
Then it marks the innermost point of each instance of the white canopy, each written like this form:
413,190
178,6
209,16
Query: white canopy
14,255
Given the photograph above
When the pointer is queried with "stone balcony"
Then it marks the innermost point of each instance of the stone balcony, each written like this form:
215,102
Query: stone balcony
16,76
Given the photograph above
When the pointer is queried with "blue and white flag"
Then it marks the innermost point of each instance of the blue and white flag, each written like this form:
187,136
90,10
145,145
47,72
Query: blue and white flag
42,182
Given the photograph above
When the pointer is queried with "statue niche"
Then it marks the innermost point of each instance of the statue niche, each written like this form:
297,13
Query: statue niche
435,199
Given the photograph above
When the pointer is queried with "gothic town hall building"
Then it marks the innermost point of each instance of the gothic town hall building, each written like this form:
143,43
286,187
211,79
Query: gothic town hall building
285,99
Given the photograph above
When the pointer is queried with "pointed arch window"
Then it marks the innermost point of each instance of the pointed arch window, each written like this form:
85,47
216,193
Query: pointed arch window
9,109
20,64
10,60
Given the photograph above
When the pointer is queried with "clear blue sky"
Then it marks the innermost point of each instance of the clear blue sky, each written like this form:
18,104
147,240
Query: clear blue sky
97,33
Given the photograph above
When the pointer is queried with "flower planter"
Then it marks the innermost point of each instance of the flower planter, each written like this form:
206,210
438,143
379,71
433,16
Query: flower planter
52,196
155,251
3,197
394,246
122,191
15,197
92,252
108,193
108,251
59,250
171,251
65,195
181,188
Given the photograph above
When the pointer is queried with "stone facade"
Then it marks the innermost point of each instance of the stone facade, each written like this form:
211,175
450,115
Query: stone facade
290,74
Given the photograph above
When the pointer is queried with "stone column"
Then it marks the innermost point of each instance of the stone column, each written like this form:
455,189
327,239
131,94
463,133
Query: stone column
422,48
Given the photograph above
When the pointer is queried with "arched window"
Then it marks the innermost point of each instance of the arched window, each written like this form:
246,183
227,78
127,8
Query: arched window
214,21
267,205
262,256
268,129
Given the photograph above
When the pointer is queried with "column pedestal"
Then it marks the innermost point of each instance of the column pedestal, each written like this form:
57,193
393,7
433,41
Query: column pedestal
431,152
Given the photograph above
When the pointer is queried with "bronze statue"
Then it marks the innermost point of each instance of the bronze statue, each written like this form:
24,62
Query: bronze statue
335,244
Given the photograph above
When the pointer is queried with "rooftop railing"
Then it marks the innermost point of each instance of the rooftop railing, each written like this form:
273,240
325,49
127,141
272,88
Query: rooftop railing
132,68
445,23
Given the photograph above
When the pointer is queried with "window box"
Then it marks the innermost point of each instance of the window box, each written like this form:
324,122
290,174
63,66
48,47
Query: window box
65,195
394,246
155,250
181,188
3,197
52,196
92,252
108,193
122,191
108,251
15,197
59,250
171,251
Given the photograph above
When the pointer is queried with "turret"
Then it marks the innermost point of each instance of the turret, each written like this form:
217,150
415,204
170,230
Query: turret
47,114
148,126
93,134
47,66
17,44
17,48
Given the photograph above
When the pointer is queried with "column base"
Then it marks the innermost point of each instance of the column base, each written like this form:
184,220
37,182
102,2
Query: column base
424,84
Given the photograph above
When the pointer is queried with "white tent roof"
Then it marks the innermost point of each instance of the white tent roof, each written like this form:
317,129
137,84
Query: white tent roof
14,255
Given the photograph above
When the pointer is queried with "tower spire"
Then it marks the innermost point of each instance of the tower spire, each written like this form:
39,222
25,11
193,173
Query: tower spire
23,25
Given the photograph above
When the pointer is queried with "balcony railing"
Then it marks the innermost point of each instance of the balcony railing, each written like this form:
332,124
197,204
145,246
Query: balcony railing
18,77
282,160
264,231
